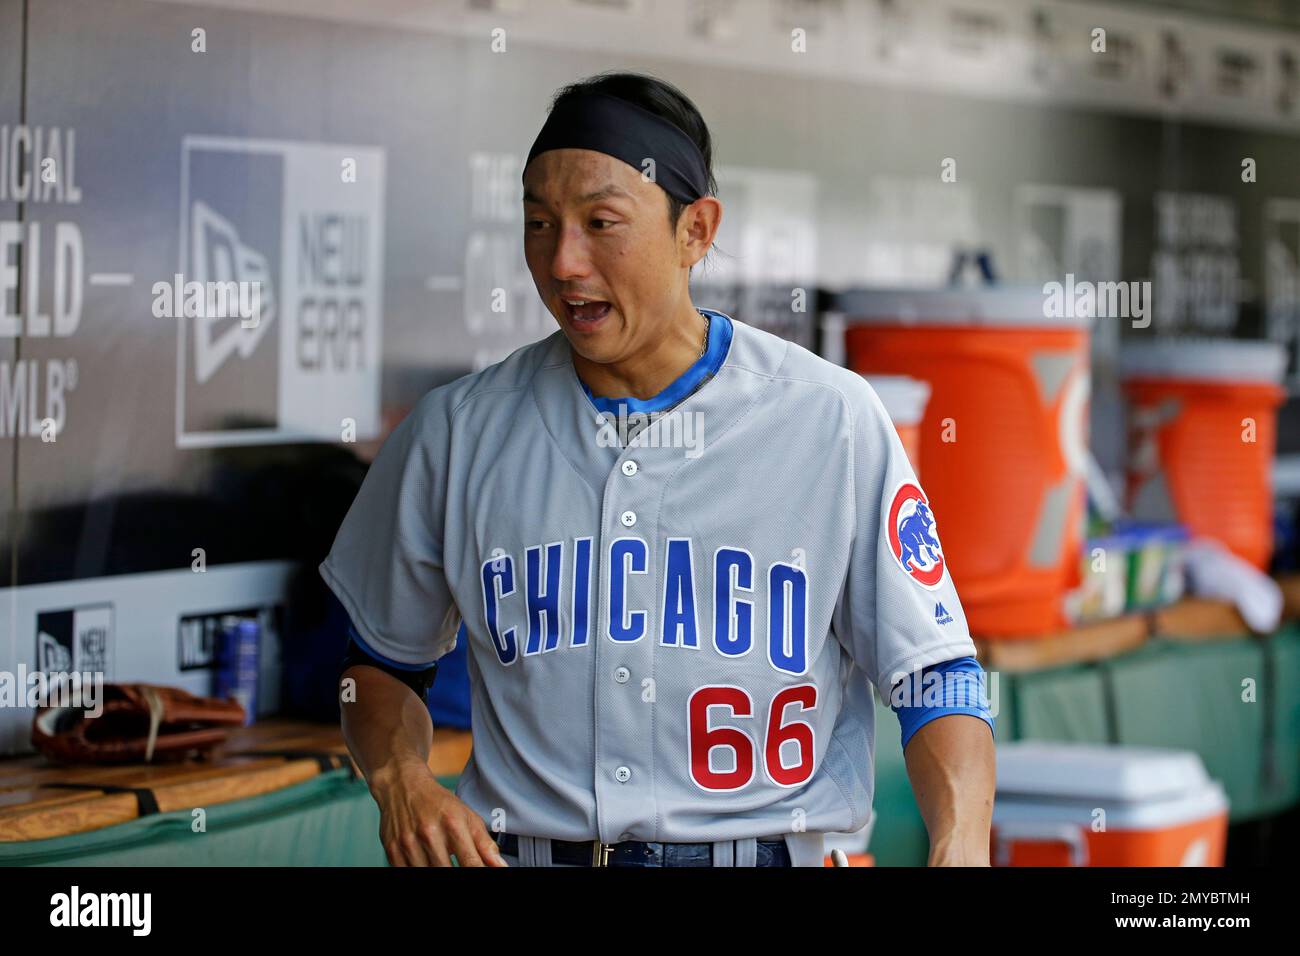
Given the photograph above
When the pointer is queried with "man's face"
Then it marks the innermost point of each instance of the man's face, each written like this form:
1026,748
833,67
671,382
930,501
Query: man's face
595,230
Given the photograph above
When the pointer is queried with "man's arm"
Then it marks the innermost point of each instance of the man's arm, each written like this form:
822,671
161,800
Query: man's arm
386,727
389,733
385,567
899,619
951,765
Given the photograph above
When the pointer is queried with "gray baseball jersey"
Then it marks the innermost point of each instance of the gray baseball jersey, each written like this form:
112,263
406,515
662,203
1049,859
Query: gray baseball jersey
672,640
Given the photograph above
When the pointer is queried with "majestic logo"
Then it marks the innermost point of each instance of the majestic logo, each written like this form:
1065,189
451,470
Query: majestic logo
285,241
913,537
941,615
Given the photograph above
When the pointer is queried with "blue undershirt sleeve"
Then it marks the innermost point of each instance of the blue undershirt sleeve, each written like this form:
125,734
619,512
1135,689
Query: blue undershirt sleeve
958,687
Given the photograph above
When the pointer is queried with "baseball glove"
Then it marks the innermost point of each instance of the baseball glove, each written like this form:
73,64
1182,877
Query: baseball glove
138,722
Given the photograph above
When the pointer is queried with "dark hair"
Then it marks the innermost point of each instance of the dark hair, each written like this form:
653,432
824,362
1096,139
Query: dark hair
663,99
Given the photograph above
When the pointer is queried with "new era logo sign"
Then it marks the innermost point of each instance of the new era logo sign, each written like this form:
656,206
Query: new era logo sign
292,232
941,615
78,639
218,255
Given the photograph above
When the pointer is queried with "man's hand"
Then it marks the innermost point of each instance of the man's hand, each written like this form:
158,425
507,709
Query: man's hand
422,823
389,733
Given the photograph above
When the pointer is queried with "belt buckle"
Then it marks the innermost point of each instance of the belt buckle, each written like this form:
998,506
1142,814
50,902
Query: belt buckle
600,853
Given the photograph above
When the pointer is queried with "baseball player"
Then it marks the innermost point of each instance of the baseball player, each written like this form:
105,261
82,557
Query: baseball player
681,551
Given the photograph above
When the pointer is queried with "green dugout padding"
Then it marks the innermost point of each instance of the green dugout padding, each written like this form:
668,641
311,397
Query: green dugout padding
330,820
1002,705
1280,784
1191,697
1068,703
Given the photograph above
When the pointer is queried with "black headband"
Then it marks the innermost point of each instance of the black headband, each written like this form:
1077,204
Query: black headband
610,125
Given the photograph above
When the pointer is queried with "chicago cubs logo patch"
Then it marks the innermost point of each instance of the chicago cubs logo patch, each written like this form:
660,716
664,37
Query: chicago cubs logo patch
913,538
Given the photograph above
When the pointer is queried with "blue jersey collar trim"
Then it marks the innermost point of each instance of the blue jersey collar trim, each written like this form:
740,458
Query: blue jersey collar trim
720,332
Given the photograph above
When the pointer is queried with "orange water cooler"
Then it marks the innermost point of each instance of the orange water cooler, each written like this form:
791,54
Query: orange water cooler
1062,804
1003,439
1202,433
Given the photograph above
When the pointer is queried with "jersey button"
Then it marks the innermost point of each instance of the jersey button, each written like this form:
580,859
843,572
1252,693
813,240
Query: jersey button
628,518
622,674
629,467
622,774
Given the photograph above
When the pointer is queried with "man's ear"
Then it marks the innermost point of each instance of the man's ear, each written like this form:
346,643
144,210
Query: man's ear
698,228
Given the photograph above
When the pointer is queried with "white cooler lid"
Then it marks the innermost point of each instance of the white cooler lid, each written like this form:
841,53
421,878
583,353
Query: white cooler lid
1209,801
1214,360
988,306
1097,772
904,397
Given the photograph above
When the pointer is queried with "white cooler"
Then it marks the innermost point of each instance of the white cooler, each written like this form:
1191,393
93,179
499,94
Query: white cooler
1063,804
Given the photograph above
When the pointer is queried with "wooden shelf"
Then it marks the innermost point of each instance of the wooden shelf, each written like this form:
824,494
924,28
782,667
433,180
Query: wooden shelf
268,756
1191,619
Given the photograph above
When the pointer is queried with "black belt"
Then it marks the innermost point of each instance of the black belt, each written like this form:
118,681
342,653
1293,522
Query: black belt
637,853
